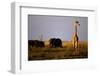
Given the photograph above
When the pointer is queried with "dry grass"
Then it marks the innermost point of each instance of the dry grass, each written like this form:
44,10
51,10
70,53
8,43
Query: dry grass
67,52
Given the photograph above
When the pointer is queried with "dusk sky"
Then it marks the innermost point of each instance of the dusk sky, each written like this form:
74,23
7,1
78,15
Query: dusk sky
56,27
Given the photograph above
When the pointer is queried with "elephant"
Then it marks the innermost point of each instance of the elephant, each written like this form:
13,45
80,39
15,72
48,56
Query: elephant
55,42
36,43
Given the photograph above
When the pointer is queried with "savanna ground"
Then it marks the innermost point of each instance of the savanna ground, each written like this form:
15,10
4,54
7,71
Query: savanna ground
66,52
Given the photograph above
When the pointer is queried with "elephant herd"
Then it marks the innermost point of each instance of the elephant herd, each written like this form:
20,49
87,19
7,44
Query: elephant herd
53,42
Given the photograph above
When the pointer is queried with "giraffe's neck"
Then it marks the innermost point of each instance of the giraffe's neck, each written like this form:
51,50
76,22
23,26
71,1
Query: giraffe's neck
76,30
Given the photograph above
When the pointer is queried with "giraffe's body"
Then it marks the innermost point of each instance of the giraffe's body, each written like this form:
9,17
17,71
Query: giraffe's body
75,40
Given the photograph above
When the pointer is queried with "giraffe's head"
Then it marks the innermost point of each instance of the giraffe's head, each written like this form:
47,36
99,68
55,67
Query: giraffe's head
77,23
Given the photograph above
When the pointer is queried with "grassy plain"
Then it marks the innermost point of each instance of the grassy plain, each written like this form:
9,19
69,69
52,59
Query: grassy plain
66,52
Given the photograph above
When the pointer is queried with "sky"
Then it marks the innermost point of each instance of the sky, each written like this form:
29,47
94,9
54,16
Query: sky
48,26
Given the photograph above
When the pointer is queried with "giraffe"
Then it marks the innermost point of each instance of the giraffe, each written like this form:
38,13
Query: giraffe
75,38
